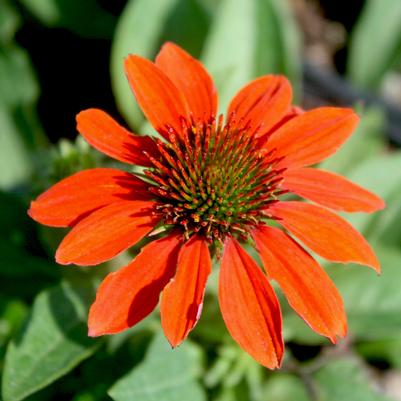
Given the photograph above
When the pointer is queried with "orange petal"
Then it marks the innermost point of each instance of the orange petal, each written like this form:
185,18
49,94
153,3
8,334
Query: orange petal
75,197
325,233
303,282
128,295
182,298
191,79
160,100
291,113
249,306
261,104
331,190
110,138
312,136
106,232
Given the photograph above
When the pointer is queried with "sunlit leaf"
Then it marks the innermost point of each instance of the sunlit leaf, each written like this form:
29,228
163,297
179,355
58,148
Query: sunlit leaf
345,379
164,375
375,42
285,387
258,37
52,342
373,303
382,175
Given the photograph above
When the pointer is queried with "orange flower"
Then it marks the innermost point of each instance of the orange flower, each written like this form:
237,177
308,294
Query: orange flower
212,185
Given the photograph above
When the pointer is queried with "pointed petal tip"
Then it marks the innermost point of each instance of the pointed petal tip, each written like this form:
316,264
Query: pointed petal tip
60,259
381,204
173,342
254,319
30,212
93,333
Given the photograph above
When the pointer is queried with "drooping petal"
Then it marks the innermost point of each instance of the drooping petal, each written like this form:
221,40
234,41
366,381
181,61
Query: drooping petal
331,190
106,233
128,295
311,137
191,79
324,233
249,306
75,197
110,138
182,298
160,100
302,281
261,104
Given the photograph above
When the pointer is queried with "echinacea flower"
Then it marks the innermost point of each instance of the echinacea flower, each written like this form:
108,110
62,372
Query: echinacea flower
209,186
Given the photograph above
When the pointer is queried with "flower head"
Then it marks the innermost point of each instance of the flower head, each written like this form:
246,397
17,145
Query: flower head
209,186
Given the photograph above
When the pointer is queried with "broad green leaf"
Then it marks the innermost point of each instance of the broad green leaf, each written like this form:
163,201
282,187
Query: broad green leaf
285,387
373,303
52,342
184,22
345,379
86,18
375,42
256,37
164,375
366,142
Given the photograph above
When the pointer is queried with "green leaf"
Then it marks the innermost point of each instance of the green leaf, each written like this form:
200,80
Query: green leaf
19,127
345,379
375,42
12,314
285,387
381,175
17,79
9,21
164,375
373,303
15,161
86,18
388,349
53,341
257,37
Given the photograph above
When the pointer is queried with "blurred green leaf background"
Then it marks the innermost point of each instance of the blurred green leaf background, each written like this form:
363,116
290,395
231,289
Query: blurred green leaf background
58,57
